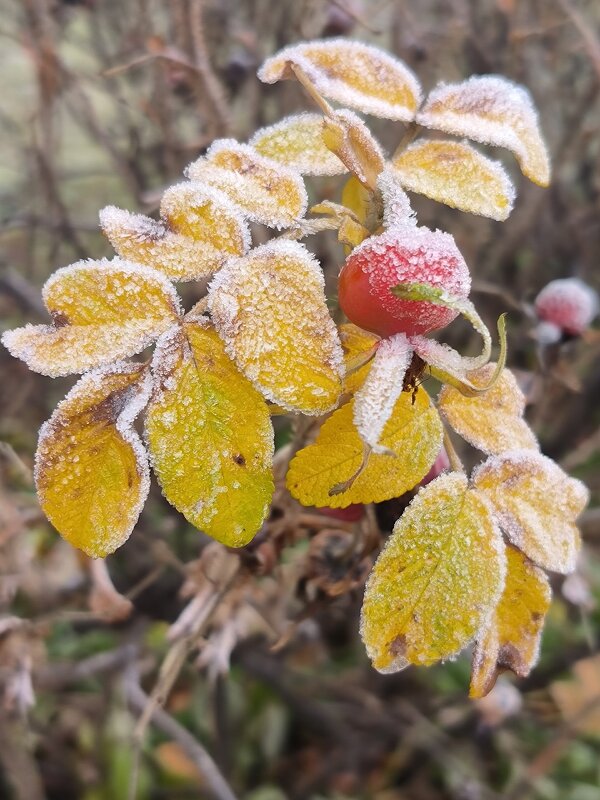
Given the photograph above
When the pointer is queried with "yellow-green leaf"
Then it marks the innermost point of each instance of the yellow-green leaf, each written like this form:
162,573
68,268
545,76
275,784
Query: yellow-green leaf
436,580
536,505
198,230
511,637
346,135
492,110
265,190
413,433
210,436
492,421
269,308
351,73
297,142
102,311
456,174
359,347
91,470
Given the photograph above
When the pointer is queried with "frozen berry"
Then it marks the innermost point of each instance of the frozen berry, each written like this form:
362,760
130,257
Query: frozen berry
569,303
403,254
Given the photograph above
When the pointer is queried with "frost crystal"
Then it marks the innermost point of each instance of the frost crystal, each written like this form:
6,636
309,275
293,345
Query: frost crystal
493,110
397,210
375,400
353,74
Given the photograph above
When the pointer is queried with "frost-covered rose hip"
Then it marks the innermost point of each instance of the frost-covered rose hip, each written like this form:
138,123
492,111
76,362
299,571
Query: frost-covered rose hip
569,303
403,254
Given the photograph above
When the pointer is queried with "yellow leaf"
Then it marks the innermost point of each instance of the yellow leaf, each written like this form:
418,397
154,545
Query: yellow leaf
436,580
265,190
210,436
535,504
351,73
413,433
269,308
102,311
198,230
358,199
456,174
297,142
511,637
493,421
91,469
359,346
492,110
346,135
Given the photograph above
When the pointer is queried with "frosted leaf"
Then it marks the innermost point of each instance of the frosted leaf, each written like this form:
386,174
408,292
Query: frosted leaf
456,174
492,421
493,110
297,142
411,441
346,135
359,346
397,211
210,436
437,579
102,311
511,637
269,308
91,470
375,400
199,229
536,505
265,190
568,303
351,73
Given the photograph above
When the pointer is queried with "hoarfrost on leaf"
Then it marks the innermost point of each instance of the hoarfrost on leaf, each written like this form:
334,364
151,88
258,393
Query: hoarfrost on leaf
536,505
351,73
511,637
269,308
493,420
297,142
413,436
210,436
91,470
346,135
102,311
436,581
265,190
456,174
374,402
493,110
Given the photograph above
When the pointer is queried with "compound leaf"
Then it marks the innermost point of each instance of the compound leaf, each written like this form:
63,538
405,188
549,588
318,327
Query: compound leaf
492,110
436,580
536,505
413,434
351,73
265,190
297,142
102,311
456,174
210,436
492,421
269,308
511,637
91,470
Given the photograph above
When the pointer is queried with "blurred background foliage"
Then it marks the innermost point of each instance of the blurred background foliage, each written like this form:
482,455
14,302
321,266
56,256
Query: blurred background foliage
106,101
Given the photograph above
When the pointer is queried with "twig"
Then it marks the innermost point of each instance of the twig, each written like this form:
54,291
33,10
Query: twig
140,702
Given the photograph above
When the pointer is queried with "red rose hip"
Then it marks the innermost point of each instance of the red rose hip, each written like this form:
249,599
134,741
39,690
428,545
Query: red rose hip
568,303
403,254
